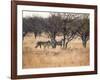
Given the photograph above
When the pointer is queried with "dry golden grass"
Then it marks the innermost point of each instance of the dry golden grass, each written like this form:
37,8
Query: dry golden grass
74,55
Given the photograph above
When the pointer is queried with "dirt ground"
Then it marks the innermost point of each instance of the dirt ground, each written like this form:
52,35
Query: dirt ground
74,55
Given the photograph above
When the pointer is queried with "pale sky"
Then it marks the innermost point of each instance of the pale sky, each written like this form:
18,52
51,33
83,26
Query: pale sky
45,14
32,13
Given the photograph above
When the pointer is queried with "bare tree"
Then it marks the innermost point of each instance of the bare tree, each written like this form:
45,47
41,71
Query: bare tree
84,30
33,24
68,30
53,24
70,25
77,23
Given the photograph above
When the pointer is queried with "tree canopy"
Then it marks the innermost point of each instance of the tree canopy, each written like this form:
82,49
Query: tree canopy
68,25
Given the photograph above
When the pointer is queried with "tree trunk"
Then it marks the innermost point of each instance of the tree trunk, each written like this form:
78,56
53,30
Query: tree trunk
84,41
35,34
53,40
54,35
24,34
63,41
66,45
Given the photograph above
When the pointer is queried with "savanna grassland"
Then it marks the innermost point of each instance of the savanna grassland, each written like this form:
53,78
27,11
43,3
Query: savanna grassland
74,55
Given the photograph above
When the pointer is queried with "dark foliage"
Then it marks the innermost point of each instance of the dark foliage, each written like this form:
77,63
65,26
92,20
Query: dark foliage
69,25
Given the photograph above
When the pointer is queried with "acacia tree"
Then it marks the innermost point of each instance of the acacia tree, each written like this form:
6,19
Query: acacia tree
27,26
33,24
70,25
76,23
84,30
53,24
